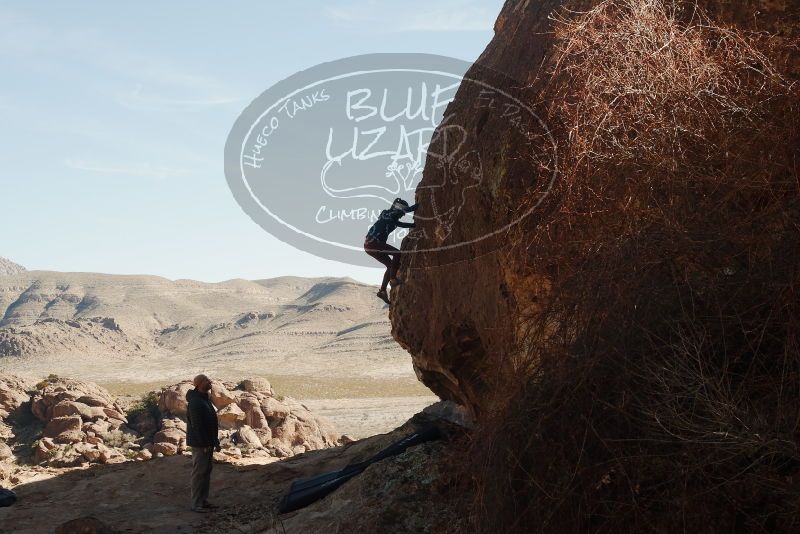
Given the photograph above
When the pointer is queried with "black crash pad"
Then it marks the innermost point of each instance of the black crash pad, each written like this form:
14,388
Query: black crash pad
7,497
308,490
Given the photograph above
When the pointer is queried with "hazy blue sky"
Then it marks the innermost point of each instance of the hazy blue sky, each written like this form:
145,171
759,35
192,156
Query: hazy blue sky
115,114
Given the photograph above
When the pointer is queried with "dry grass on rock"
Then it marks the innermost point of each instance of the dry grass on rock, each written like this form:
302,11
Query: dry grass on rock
659,383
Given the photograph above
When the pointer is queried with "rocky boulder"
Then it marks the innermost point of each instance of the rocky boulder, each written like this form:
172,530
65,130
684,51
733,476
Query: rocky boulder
173,399
59,425
231,417
474,308
249,415
86,412
54,390
220,395
247,436
253,414
13,396
83,423
273,409
257,385
171,439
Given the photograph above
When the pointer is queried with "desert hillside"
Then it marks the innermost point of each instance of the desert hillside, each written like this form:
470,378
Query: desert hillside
60,322
9,267
324,340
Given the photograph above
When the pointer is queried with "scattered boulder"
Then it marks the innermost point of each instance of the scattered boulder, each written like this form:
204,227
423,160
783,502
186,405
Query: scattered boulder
257,385
83,423
274,409
220,396
174,422
53,390
247,436
41,451
114,415
59,425
264,435
144,422
86,412
90,452
170,435
230,417
253,415
173,399
70,436
165,449
13,396
171,439
110,456
144,454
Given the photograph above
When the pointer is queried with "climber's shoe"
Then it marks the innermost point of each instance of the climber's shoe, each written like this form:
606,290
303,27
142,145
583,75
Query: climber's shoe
383,296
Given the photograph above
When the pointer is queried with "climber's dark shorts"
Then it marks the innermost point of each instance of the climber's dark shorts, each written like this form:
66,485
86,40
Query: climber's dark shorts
382,252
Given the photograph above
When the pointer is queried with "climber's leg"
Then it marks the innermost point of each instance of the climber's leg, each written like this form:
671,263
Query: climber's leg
395,268
376,249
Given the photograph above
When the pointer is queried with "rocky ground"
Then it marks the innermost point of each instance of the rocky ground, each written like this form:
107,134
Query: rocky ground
399,494
65,423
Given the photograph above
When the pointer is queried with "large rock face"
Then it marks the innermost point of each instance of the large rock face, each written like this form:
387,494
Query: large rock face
457,310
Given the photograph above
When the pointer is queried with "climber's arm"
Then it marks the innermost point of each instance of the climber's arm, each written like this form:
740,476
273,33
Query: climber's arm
402,224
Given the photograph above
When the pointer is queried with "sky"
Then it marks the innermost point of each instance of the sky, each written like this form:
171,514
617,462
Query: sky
115,115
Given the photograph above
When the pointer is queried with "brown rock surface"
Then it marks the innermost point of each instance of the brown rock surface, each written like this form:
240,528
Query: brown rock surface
55,390
274,409
257,385
59,425
230,417
69,436
247,436
458,318
173,399
86,413
220,395
169,435
13,395
254,417
167,449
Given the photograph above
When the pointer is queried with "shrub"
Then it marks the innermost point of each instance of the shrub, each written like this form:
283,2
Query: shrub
51,378
148,403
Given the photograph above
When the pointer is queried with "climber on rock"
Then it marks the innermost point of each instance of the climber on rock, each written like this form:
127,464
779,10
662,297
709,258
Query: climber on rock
376,246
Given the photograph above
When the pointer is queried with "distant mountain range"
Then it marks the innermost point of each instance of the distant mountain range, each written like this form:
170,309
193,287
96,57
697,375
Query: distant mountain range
9,267
118,328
